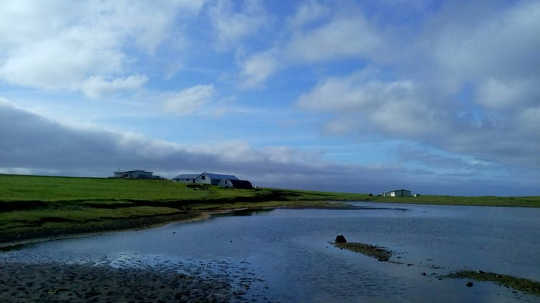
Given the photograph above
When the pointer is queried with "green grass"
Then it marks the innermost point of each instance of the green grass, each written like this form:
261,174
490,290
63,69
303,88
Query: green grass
525,285
39,188
311,195
81,214
33,206
271,204
533,201
39,205
302,195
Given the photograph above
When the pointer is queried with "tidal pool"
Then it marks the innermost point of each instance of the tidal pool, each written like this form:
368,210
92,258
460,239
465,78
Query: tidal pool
284,255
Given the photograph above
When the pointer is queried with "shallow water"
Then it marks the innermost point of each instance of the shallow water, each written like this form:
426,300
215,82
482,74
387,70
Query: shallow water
284,255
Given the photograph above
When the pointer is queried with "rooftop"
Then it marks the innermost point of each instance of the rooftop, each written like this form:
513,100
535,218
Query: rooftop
133,171
186,176
219,176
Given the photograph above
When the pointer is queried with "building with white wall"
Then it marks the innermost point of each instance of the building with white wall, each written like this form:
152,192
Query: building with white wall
398,193
214,179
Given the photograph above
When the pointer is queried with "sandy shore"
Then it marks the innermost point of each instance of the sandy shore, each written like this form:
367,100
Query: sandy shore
8,244
87,283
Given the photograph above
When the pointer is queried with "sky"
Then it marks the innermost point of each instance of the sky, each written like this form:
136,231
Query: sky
440,97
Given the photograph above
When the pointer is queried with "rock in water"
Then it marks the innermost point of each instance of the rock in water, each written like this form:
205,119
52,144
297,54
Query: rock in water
469,284
341,239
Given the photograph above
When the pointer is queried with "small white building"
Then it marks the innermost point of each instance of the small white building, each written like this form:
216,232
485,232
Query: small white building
398,193
134,174
186,178
211,178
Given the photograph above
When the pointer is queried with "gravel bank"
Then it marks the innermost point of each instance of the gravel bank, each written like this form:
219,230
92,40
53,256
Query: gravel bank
86,283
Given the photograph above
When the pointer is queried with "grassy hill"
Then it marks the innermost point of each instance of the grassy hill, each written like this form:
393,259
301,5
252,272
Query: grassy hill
40,188
533,201
51,189
37,206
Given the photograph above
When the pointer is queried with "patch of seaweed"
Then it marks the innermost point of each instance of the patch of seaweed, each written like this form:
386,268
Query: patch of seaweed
525,285
377,252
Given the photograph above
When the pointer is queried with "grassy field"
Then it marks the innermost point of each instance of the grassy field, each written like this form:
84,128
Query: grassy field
38,206
525,285
37,188
533,201
52,189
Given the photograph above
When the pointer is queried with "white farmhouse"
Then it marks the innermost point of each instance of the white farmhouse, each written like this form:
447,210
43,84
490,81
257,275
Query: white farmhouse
398,193
214,179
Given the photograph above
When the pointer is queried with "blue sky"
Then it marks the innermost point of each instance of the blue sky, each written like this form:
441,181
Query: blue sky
362,96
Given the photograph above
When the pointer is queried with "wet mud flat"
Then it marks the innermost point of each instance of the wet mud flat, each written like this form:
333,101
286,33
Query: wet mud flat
89,283
383,255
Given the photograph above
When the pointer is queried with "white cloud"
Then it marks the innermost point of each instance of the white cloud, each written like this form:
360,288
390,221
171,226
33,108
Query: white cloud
316,33
64,45
470,42
95,86
31,143
396,107
505,133
190,99
508,94
342,37
256,69
233,25
467,82
308,12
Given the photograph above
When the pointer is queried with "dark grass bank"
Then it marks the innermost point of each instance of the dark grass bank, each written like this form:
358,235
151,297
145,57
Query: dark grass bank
521,284
377,252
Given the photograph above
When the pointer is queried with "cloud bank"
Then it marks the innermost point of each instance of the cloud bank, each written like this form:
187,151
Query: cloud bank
81,46
30,143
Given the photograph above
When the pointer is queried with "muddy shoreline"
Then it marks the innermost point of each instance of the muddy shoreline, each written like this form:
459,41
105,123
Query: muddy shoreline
521,284
87,283
121,225
9,241
60,282
53,281
15,240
